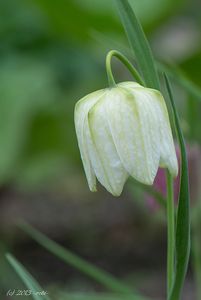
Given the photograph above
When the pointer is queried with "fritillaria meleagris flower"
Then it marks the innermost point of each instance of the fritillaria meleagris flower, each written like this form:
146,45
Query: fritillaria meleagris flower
124,131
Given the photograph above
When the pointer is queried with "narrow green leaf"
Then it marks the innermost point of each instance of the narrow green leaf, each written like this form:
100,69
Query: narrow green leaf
139,44
27,278
74,260
177,75
183,212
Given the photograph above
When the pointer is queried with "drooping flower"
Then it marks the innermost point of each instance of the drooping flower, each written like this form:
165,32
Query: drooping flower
124,131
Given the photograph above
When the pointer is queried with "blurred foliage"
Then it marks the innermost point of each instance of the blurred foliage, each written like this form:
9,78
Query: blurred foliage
41,76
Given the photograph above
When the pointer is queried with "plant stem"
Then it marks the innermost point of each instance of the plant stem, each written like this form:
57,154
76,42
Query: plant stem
126,62
170,232
182,236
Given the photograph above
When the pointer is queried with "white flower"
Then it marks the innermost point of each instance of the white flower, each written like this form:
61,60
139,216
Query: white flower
124,131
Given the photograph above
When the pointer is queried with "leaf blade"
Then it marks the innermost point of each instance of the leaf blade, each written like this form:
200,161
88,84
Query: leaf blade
80,264
178,76
27,278
183,212
139,44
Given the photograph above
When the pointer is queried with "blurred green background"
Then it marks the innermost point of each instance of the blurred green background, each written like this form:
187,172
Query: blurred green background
51,55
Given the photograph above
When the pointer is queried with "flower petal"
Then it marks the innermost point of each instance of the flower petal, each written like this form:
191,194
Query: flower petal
81,113
130,84
168,156
167,150
133,123
105,160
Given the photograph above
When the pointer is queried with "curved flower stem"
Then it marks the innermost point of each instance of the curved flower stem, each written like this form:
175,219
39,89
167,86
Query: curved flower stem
126,62
170,232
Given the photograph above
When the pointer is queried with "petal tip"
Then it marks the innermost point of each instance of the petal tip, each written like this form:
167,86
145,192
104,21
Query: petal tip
174,170
116,194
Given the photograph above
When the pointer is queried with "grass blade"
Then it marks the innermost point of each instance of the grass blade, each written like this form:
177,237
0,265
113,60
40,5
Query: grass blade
74,260
27,279
177,75
183,212
139,44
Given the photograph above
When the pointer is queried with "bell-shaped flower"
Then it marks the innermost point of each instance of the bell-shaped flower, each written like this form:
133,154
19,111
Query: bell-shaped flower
124,131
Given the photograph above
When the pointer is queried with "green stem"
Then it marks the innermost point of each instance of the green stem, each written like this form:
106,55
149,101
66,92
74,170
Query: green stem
170,232
182,236
126,62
